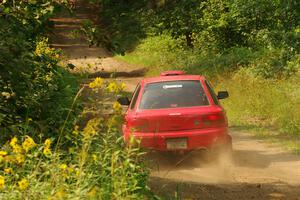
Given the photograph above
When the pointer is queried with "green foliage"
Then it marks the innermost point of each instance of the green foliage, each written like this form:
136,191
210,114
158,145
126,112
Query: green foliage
32,15
98,165
257,101
213,27
30,78
125,23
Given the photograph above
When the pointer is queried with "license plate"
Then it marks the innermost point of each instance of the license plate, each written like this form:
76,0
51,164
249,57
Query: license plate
177,143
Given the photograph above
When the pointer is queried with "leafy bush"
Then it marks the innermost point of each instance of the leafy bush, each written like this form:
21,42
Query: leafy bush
31,80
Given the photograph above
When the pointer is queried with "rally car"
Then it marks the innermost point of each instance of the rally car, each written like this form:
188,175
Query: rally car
176,112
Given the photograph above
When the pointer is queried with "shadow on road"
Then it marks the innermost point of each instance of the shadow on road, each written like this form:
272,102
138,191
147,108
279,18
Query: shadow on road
169,189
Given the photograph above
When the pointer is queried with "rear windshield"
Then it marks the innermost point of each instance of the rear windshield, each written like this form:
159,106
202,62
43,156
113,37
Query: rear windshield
173,94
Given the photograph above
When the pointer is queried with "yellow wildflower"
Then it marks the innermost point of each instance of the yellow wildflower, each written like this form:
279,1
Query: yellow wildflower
91,128
2,182
117,107
112,87
60,194
28,143
20,159
14,144
47,152
3,153
8,170
78,172
17,149
94,156
47,145
23,184
63,166
97,83
123,86
70,170
93,192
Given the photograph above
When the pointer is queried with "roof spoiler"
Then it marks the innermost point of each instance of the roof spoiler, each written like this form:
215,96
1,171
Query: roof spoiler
172,73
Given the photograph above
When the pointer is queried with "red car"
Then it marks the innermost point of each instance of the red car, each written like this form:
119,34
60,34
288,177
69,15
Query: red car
176,112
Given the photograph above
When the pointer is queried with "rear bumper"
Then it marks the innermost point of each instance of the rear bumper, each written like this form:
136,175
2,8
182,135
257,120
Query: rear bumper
196,139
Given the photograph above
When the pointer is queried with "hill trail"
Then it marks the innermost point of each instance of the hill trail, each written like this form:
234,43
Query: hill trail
96,61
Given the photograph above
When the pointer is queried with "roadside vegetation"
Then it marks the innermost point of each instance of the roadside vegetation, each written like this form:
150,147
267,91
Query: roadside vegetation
51,147
250,48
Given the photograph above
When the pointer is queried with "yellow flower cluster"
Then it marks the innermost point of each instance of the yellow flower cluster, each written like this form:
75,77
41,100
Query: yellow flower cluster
47,147
19,159
43,48
60,194
66,170
28,143
14,144
94,156
8,170
23,184
97,83
113,87
2,182
117,107
3,153
91,128
63,166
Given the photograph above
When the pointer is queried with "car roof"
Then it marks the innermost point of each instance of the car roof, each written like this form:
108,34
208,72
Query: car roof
172,78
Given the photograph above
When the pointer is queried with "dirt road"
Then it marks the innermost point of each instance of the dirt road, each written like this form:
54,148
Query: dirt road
258,170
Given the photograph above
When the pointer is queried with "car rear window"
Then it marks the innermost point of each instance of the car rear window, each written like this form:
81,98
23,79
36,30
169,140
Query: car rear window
173,94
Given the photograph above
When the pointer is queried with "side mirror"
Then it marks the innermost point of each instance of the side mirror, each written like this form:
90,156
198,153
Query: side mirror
222,95
123,101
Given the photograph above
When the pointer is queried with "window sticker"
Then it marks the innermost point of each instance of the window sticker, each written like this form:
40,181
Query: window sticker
171,86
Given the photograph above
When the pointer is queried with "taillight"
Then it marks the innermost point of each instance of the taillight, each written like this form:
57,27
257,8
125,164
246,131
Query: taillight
214,119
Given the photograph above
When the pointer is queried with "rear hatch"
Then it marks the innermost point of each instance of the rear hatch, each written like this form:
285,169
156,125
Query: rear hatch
155,121
176,106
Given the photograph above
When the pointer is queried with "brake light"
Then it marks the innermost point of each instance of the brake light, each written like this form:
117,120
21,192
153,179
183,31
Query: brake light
172,73
215,119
